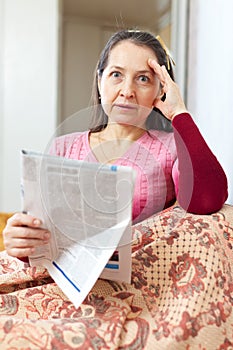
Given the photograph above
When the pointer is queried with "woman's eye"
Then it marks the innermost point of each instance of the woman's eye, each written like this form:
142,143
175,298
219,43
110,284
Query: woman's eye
115,74
143,78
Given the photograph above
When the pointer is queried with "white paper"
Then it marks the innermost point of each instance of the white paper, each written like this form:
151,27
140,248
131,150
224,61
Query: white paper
87,207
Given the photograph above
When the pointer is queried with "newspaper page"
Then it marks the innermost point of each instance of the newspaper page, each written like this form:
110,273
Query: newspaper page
87,207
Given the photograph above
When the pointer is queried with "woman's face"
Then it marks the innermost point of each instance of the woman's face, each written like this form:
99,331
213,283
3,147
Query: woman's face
128,85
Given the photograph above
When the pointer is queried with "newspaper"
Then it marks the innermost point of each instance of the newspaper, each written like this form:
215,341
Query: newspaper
87,207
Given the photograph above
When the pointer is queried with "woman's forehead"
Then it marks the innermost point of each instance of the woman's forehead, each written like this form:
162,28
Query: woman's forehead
127,50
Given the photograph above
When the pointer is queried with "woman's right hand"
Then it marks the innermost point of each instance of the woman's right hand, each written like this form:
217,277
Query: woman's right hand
173,104
22,234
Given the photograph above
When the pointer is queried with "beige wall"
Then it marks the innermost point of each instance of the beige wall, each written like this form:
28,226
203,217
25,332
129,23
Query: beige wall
165,34
29,80
81,48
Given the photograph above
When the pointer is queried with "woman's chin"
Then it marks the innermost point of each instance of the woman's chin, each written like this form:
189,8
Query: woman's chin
126,123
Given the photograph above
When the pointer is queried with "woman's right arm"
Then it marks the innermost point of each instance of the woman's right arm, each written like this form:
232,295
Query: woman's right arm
22,234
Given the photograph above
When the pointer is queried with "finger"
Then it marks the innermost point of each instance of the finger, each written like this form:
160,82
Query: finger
158,70
26,233
165,78
160,75
25,243
20,253
21,219
166,75
153,64
20,247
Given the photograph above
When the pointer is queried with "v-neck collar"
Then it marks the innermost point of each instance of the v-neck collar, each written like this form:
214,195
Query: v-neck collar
131,150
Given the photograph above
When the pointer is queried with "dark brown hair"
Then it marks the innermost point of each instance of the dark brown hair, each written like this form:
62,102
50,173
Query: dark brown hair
155,120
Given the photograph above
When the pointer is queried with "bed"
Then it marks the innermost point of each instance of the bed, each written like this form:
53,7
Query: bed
180,296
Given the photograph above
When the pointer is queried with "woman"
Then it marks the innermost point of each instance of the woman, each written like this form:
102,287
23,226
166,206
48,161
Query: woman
134,82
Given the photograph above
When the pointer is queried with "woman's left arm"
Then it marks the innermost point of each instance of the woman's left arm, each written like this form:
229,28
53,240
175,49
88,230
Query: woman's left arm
202,183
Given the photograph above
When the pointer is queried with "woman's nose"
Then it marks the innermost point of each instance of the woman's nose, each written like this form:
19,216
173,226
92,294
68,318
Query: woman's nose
127,89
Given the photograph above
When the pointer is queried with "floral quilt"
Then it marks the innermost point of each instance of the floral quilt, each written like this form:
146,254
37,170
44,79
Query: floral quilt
180,296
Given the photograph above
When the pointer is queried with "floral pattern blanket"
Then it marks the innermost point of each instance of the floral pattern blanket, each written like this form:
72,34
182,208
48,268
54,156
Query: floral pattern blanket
180,297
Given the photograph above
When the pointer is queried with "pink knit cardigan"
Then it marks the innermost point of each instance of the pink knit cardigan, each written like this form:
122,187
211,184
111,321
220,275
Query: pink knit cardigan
169,166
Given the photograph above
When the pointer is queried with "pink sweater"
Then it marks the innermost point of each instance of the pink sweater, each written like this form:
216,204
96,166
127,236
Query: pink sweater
157,157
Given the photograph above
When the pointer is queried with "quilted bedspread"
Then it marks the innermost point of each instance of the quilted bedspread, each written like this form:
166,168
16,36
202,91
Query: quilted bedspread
180,297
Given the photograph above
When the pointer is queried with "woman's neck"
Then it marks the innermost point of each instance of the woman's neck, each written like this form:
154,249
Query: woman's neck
119,132
113,142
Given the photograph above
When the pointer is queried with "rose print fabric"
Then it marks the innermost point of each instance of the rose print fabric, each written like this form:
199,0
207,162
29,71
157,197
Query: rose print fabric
180,297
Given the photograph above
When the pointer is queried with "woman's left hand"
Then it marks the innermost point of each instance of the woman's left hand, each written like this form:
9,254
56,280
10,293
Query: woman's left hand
173,103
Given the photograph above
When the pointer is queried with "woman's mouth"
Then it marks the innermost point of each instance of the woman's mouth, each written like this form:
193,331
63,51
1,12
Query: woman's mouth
125,107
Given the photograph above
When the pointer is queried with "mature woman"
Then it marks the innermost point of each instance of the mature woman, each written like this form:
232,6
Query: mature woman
141,122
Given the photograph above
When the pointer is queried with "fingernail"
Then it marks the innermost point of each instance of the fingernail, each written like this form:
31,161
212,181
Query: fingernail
36,222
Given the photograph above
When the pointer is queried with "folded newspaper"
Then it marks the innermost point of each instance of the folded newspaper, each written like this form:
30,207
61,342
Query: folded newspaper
87,207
